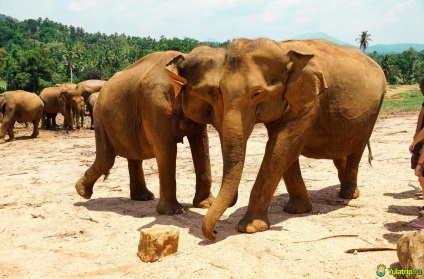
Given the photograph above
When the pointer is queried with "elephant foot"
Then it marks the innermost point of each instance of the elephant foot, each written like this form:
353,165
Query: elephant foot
201,202
350,193
34,135
253,222
82,190
297,207
145,196
169,207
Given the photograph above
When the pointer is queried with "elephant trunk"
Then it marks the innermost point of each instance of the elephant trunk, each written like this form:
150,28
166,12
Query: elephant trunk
234,139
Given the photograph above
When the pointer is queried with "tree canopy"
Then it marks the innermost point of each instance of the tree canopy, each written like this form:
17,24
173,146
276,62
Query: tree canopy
38,53
364,40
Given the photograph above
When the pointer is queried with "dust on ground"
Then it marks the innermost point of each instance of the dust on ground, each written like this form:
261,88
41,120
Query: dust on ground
48,230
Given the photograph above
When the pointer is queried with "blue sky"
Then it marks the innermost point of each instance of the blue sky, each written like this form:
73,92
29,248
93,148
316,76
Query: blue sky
388,21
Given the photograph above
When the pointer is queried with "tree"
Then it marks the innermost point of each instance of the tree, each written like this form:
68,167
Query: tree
364,39
2,60
72,52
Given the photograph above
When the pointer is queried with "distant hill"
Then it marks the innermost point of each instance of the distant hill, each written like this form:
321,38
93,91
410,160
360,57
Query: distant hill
394,48
380,48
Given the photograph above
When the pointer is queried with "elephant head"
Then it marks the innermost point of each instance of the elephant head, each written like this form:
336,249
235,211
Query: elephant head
195,76
72,106
259,83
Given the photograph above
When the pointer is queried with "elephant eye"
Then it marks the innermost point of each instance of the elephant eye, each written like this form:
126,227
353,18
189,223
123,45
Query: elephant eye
258,92
273,81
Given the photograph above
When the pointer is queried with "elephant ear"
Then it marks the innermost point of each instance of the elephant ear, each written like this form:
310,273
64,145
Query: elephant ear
304,80
173,67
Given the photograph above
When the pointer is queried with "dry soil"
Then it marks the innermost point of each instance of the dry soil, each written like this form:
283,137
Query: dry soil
48,231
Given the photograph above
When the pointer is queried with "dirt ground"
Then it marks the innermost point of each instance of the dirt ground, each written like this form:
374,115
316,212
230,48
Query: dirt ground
48,231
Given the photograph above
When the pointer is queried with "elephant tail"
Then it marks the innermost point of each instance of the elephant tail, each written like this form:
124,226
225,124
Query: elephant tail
370,157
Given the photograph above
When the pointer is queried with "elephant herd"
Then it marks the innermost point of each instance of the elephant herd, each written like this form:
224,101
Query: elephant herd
315,98
68,99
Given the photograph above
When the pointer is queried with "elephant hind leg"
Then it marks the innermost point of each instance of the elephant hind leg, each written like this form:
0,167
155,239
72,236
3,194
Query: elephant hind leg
347,169
105,158
36,122
138,188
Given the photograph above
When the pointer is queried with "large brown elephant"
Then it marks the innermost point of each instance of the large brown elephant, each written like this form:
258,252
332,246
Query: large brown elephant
50,98
143,111
317,99
20,106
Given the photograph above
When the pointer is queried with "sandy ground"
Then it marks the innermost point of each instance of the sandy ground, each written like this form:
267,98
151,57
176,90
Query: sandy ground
48,231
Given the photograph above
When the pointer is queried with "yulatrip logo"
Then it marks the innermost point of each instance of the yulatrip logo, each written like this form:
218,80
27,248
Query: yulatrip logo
381,271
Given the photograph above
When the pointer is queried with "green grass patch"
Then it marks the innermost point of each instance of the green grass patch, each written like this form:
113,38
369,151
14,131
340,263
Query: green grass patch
409,100
3,83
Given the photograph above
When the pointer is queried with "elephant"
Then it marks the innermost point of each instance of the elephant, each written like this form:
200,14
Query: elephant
71,103
143,111
88,87
20,106
90,106
315,98
50,98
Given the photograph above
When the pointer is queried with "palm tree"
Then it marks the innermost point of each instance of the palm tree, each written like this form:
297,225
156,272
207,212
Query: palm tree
364,39
72,52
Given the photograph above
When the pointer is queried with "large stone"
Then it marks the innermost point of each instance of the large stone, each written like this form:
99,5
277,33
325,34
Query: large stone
158,242
410,252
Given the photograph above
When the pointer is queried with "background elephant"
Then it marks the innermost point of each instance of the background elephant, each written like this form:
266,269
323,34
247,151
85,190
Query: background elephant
20,106
50,98
143,111
71,103
90,106
88,87
317,99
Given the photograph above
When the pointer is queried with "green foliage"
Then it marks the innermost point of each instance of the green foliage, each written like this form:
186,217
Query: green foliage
402,68
409,100
2,86
37,53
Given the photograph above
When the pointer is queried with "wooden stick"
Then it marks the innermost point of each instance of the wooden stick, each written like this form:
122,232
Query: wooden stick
371,249
331,236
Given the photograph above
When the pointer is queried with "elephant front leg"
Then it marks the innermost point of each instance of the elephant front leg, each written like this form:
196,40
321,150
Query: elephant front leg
138,189
298,201
10,130
2,133
166,156
277,160
199,145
